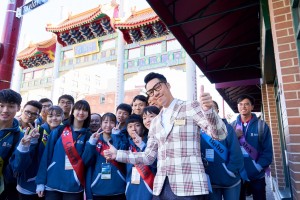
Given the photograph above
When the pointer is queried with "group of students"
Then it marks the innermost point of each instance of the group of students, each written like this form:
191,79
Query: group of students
57,152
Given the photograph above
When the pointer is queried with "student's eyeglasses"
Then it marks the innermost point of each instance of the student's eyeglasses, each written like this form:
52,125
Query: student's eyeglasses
65,102
243,104
157,87
46,106
30,114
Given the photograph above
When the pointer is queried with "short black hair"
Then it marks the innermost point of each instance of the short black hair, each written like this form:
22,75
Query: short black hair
246,96
34,103
153,75
58,110
96,114
110,116
216,104
141,98
43,100
66,96
151,110
126,107
136,118
10,96
84,105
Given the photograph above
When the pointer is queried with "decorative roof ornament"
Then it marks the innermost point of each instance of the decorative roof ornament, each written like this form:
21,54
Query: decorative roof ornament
37,54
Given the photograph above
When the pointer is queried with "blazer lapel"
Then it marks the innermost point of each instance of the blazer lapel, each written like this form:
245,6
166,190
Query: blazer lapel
160,131
174,115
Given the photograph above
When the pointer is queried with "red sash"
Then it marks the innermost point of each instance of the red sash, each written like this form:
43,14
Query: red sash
101,148
145,172
72,154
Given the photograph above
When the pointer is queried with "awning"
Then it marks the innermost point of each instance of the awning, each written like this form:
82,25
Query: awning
223,38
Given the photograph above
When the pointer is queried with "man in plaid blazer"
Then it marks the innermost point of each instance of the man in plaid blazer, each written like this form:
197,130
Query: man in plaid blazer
174,140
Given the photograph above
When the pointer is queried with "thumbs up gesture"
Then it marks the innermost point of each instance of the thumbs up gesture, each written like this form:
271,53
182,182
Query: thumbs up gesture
205,99
111,153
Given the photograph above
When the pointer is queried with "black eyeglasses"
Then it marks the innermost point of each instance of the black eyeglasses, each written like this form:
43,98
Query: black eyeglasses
30,114
156,87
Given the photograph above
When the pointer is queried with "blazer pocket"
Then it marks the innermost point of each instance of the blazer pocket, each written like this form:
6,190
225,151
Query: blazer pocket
51,165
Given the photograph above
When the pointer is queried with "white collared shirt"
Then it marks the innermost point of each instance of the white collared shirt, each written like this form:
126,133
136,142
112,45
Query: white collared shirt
166,116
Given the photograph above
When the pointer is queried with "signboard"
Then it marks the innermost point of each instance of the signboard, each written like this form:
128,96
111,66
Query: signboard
85,48
29,7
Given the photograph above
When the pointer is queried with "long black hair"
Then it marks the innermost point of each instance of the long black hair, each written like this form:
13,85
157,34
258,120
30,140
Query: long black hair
82,105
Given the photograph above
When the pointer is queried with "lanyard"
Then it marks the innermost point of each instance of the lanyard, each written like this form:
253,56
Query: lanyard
5,136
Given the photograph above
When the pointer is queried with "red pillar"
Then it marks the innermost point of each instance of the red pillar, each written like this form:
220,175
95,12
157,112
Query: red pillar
10,39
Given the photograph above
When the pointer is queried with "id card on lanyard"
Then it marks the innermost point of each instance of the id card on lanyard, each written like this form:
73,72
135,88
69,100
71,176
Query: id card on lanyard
68,165
135,176
106,171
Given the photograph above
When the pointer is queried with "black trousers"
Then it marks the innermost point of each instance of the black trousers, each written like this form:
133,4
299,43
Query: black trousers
10,192
30,197
256,187
114,197
51,195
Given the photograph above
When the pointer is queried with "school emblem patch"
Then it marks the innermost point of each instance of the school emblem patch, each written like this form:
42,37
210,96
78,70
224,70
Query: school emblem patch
99,145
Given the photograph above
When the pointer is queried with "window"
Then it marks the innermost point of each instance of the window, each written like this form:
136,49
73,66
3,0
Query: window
27,76
63,79
38,74
61,91
75,84
103,54
86,89
68,54
108,44
77,60
87,77
98,82
112,52
86,58
76,74
94,56
153,49
102,99
134,53
48,72
173,45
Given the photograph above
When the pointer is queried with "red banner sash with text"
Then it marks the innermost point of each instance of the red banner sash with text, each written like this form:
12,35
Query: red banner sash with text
71,152
145,172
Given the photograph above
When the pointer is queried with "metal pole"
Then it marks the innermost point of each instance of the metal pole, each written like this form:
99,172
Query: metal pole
10,39
119,98
191,78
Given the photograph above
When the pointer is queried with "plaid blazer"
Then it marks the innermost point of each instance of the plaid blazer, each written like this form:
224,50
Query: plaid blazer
178,151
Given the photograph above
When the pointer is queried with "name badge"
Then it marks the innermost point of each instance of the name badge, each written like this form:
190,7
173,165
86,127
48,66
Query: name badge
135,176
106,171
68,165
179,122
209,155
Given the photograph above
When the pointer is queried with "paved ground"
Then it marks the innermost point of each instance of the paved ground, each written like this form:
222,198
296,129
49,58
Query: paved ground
269,191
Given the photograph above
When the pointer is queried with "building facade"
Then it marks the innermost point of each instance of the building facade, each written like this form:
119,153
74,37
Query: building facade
81,57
